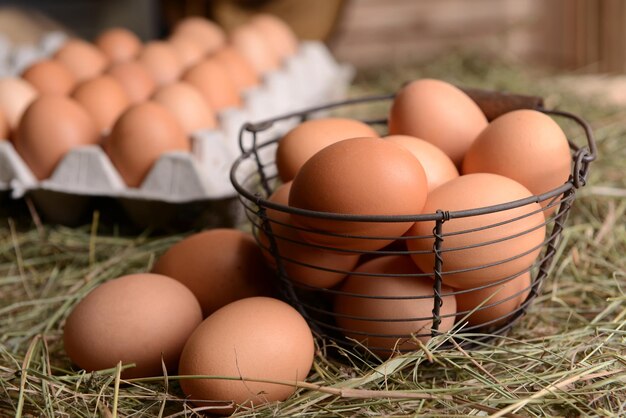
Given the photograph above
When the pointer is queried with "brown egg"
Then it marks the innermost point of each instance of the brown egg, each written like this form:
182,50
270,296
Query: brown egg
162,61
306,139
138,319
141,134
254,338
495,304
15,96
83,59
255,48
213,81
279,35
51,126
135,79
382,316
104,98
205,33
219,266
239,69
439,113
525,145
188,105
303,263
4,126
189,51
359,176
486,260
50,77
119,44
438,167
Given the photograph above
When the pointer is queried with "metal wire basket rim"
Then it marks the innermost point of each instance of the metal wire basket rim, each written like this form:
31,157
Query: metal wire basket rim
263,125
581,157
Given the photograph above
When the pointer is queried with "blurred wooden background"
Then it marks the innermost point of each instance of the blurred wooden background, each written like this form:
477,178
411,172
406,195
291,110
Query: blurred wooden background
583,35
586,35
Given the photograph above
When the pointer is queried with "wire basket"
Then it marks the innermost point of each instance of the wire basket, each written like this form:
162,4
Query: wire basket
385,323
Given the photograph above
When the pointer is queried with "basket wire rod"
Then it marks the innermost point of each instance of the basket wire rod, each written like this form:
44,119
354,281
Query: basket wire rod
259,164
581,168
592,152
437,301
266,124
553,244
288,290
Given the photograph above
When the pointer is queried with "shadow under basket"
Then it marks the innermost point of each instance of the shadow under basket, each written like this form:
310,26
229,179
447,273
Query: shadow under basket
382,323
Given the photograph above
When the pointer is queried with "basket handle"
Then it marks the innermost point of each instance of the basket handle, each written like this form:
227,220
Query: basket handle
494,103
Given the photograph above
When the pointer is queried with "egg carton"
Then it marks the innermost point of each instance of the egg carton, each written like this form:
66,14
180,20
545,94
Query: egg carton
16,58
309,78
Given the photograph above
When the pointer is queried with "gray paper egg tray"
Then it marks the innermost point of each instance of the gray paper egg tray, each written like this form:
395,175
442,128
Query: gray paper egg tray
193,186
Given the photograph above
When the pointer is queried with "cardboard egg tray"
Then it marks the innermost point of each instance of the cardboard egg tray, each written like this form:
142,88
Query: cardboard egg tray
178,181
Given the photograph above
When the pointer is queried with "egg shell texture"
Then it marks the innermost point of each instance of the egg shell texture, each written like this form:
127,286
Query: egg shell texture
306,139
189,51
525,145
255,48
51,126
439,113
119,44
243,75
213,81
50,77
188,105
140,136
132,319
135,79
162,61
358,176
219,266
15,96
260,338
374,312
207,34
438,167
82,58
302,262
279,35
520,240
4,126
494,304
104,98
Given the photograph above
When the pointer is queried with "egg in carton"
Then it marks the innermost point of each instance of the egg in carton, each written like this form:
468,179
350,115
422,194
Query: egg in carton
186,189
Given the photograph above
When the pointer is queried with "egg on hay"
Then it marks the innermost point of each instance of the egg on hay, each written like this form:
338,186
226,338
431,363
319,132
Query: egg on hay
143,319
231,343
